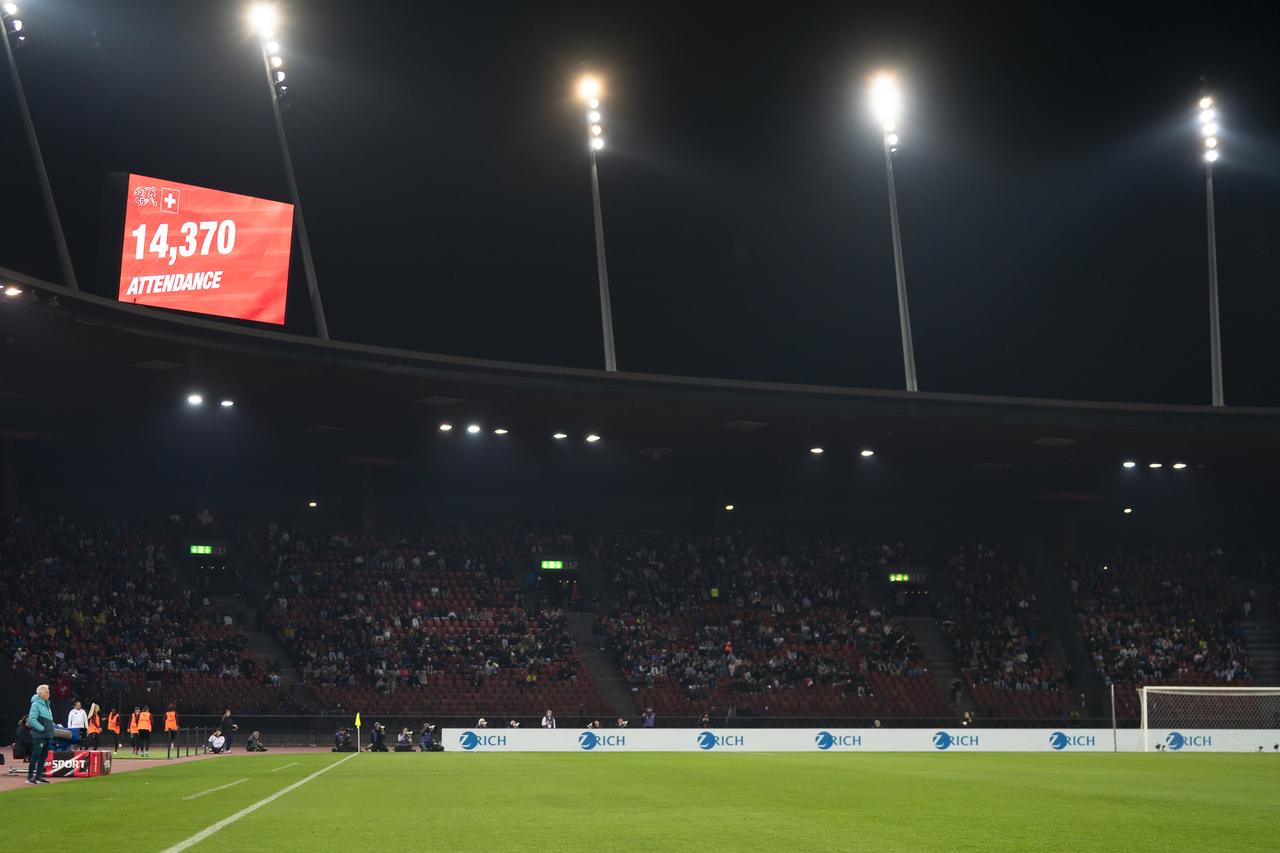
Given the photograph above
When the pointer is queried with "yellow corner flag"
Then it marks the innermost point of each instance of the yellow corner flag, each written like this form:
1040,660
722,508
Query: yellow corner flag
357,719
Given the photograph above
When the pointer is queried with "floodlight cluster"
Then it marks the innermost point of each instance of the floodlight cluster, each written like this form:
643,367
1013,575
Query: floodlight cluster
264,19
885,100
1209,129
12,24
590,90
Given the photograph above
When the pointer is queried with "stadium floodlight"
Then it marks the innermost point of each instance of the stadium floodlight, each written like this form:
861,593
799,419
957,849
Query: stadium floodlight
590,89
500,431
593,438
226,404
312,504
13,290
264,20
473,428
1128,510
1179,466
885,99
816,451
446,427
1129,463
560,436
866,452
1154,465
728,507
1209,130
14,37
195,400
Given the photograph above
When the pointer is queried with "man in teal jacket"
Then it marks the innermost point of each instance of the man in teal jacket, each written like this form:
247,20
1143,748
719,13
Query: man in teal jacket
40,721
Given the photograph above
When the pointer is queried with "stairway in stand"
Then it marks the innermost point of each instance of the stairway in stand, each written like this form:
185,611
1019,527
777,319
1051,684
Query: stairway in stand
937,656
604,671
264,646
1262,635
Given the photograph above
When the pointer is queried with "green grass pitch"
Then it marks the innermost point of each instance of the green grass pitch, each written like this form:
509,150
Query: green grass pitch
744,801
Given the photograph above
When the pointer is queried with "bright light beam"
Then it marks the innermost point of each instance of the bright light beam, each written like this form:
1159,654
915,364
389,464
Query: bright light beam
885,98
264,19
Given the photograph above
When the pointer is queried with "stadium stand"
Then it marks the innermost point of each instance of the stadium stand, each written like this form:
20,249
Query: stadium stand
422,622
778,625
95,609
998,636
1163,617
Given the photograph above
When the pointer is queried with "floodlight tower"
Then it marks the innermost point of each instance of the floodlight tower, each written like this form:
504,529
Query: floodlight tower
264,19
14,37
1209,130
885,98
590,91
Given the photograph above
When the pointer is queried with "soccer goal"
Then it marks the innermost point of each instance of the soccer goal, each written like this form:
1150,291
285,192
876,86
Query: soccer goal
1178,717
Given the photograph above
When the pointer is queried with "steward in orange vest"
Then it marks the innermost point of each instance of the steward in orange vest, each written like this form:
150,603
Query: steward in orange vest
133,728
95,726
113,728
171,725
144,730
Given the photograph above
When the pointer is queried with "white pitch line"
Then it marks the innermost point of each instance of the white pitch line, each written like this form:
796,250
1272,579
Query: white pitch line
219,788
283,766
247,810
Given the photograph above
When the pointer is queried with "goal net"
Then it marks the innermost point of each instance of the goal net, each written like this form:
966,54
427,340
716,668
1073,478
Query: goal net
1221,718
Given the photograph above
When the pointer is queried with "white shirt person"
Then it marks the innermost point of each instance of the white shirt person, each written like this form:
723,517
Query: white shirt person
548,720
77,719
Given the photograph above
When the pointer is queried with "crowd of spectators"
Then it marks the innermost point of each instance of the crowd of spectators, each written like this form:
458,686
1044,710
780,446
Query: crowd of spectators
424,620
94,608
998,636
450,622
1160,617
760,625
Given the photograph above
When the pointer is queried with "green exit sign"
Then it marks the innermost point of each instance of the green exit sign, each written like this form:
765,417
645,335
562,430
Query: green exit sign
899,577
201,549
552,565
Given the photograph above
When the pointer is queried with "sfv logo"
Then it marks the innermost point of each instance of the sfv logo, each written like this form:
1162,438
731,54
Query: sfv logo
1177,740
471,740
946,740
826,740
589,740
709,740
1062,740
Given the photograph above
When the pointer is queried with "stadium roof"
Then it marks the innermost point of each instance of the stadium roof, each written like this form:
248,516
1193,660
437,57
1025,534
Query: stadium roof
83,370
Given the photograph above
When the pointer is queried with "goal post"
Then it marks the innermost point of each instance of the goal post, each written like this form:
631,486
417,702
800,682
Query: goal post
1174,717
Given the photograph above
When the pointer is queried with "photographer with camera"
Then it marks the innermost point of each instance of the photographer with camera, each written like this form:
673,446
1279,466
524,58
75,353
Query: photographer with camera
378,739
404,740
254,743
342,741
218,743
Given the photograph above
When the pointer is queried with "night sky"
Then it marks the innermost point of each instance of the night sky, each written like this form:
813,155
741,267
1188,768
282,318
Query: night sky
1049,180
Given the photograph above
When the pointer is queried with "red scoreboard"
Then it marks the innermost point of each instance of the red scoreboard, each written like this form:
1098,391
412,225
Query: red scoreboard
207,251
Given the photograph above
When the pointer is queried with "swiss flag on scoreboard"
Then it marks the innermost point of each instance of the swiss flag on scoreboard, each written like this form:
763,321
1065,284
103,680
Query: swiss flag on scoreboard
170,200
195,249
